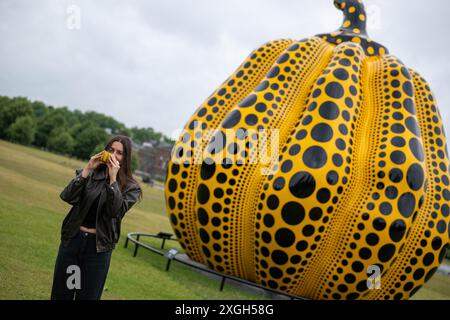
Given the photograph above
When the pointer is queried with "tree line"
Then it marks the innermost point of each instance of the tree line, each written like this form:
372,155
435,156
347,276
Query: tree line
73,133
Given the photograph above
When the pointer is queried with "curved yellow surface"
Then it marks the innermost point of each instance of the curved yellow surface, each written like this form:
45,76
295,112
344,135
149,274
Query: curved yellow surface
313,169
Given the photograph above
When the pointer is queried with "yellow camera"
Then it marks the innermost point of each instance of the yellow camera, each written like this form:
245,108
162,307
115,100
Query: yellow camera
105,156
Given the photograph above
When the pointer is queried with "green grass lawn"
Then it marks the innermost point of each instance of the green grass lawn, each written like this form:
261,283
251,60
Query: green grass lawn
31,214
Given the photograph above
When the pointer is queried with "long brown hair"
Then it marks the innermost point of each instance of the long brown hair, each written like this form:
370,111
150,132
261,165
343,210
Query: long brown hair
124,176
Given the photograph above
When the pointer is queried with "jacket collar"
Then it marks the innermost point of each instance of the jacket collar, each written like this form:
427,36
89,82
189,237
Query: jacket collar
100,173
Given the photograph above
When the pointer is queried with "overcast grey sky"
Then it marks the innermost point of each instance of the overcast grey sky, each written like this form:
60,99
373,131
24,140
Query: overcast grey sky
152,63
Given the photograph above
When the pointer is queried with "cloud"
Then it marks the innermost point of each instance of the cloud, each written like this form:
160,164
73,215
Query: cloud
152,63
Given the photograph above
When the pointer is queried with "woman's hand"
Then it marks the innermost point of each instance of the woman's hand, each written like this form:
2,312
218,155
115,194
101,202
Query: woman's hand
113,168
93,163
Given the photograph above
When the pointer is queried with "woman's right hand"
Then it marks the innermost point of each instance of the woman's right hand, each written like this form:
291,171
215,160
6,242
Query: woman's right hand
93,163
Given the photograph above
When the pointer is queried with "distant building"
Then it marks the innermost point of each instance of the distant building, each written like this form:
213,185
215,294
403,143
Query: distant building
153,158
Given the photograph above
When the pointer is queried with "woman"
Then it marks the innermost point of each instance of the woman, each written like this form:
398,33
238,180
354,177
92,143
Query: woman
100,195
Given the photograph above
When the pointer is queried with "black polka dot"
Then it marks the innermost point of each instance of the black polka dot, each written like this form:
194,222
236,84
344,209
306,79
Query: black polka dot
273,72
372,239
398,157
428,259
357,266
248,102
279,183
406,204
417,149
415,177
316,93
397,128
406,73
312,106
273,202
332,177
315,214
204,235
323,195
172,185
365,253
206,251
396,175
285,237
171,203
391,192
268,96
208,169
212,101
341,74
329,110
301,245
202,194
418,274
308,230
293,213
409,106
232,119
345,62
337,160
217,143
398,142
322,132
286,166
315,157
301,135
261,107
302,185
262,86
441,226
340,144
349,102
412,126
294,150
397,230
386,208
436,243
283,58
334,90
275,272
279,257
386,252
379,224
202,216
268,220
175,169
294,47
349,52
343,129
251,119
408,88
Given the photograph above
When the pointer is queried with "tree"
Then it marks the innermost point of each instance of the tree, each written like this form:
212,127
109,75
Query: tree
45,125
61,141
88,140
141,135
134,161
10,110
39,109
22,130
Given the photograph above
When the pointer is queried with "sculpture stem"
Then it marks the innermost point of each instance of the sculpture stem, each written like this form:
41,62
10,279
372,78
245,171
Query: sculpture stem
355,19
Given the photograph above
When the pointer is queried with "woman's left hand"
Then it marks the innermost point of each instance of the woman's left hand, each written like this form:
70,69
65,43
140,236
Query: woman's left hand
113,168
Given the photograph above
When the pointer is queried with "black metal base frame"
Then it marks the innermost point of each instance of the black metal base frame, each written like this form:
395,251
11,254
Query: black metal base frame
168,237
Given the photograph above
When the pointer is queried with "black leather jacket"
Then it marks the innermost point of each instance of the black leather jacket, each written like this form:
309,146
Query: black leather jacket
113,204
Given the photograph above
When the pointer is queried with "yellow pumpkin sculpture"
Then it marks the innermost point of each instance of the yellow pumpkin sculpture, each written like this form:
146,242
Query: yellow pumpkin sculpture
319,168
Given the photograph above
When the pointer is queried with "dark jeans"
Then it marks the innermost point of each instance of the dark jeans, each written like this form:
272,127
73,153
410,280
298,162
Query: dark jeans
93,269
